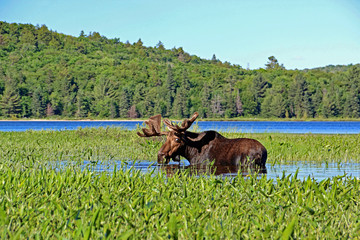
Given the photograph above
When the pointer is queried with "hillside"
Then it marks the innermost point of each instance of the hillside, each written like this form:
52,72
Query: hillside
333,68
47,74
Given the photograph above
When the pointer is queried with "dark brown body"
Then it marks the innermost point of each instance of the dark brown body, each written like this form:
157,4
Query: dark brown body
212,146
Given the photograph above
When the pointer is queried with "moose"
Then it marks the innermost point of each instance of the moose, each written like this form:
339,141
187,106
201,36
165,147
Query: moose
207,145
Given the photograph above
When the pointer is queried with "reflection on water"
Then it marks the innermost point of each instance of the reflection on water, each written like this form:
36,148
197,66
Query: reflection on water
315,171
209,169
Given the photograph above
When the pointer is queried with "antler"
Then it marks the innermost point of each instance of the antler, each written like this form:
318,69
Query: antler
184,125
154,124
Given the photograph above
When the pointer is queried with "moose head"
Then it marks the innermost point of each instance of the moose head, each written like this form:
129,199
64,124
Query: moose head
175,141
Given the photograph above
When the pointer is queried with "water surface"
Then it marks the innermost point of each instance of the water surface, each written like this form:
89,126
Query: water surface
334,127
304,170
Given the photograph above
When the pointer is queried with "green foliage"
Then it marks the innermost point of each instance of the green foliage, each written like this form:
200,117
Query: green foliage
117,144
47,74
40,202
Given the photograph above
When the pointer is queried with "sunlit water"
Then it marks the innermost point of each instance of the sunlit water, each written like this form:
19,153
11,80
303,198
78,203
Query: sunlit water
304,170
336,127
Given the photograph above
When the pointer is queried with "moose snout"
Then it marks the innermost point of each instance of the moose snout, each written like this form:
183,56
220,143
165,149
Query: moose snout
162,158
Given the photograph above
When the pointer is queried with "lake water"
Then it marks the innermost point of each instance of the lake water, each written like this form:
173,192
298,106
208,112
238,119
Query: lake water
334,127
304,170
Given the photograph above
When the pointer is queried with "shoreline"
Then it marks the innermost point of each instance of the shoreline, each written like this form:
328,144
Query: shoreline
198,120
72,120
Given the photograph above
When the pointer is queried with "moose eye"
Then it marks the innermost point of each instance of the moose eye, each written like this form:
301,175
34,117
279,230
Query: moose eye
177,140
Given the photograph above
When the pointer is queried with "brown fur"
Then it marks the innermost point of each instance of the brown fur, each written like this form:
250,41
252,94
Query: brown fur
211,145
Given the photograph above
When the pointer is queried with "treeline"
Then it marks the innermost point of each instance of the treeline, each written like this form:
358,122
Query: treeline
47,74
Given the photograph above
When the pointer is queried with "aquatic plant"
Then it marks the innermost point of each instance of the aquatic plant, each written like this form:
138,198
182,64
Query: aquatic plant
115,143
44,203
40,200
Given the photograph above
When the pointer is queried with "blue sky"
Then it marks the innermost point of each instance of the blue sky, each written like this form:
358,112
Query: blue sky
299,33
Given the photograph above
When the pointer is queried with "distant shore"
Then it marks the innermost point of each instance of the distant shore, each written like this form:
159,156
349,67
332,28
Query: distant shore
201,120
77,120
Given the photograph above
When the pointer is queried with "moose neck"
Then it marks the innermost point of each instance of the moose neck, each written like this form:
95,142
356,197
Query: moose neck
197,147
191,154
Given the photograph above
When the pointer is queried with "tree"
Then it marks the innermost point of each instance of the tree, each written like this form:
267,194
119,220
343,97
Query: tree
273,64
181,108
259,86
44,37
352,104
205,101
49,110
258,89
10,102
104,95
214,59
298,97
114,109
133,112
160,46
239,104
250,105
38,106
352,96
170,90
82,104
28,38
89,75
273,105
217,106
123,103
139,43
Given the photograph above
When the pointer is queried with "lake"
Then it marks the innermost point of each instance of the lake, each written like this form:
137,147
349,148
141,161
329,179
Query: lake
303,170
317,127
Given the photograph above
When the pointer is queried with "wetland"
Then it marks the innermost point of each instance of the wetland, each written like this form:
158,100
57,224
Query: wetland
109,191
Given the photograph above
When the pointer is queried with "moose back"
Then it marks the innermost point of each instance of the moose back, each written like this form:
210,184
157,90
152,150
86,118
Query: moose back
208,145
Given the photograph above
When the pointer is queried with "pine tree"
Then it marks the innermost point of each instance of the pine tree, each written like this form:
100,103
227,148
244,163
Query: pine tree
10,102
258,89
160,46
38,106
170,87
205,101
273,64
297,99
123,103
352,104
82,105
214,59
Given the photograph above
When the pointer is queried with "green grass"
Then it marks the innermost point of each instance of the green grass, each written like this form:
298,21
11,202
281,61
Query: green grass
118,144
38,202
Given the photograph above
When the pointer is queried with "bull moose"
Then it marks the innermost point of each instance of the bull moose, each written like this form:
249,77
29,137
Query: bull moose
208,145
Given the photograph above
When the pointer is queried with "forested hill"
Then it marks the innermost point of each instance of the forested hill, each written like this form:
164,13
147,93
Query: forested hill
47,74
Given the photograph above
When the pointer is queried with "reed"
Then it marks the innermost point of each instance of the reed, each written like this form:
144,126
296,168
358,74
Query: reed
38,201
41,203
118,144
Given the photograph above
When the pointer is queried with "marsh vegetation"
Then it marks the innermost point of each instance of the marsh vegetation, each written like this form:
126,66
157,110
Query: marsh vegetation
38,201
